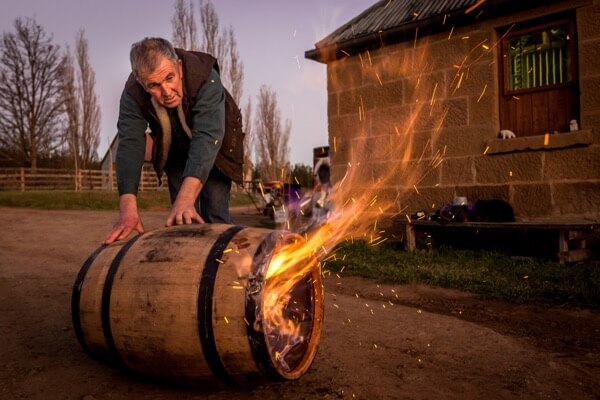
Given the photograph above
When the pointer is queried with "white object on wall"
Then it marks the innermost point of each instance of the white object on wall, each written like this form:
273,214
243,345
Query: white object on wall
573,125
506,134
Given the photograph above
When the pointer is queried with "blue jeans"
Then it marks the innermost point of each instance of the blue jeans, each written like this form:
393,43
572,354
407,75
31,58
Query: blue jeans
213,202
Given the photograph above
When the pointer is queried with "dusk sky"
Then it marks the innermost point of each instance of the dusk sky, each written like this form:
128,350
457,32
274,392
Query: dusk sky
272,37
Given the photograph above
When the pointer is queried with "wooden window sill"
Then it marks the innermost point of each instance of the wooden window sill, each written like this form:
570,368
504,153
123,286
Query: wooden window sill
540,142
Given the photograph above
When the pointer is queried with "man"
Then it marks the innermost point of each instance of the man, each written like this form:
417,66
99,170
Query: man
180,96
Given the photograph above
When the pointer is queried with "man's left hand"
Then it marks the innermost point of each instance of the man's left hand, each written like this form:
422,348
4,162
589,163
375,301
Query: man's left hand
183,214
183,210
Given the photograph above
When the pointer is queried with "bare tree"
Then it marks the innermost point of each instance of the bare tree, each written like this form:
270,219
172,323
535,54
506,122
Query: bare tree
184,26
71,109
90,110
82,112
234,78
212,41
271,139
223,46
30,88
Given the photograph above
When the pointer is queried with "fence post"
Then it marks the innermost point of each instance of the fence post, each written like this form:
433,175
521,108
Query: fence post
110,176
22,179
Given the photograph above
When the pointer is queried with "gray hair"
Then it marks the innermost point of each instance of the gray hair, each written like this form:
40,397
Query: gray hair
144,55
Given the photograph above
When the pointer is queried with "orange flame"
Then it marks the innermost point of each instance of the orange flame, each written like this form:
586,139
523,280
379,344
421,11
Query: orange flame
379,163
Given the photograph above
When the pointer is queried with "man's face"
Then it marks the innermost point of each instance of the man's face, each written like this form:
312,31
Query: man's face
164,83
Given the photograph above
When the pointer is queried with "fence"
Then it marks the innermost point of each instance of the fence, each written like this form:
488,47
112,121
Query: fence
58,179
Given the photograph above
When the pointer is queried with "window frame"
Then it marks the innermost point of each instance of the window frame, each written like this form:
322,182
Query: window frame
537,26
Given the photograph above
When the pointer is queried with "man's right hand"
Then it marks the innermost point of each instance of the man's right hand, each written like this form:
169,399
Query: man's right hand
129,220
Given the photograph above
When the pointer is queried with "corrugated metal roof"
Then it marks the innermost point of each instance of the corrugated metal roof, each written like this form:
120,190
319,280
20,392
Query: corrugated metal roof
389,21
387,14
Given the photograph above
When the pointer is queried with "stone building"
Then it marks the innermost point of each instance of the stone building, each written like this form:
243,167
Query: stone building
418,92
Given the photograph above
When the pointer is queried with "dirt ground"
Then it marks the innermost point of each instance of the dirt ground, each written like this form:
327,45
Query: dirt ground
378,341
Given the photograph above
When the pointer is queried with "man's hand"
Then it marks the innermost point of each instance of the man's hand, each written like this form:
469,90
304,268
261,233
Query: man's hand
183,210
129,220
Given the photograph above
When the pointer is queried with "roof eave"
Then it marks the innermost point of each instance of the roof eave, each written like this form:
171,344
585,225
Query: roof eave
374,40
406,31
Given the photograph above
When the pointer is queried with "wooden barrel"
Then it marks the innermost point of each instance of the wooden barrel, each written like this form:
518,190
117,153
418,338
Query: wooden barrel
185,303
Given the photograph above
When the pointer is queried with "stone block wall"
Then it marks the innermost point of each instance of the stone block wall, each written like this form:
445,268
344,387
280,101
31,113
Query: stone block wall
421,118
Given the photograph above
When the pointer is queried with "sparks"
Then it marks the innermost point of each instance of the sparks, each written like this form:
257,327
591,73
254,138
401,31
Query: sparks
373,201
474,6
433,94
416,35
459,81
481,95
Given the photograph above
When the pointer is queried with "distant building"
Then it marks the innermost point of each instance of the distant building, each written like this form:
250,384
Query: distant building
108,165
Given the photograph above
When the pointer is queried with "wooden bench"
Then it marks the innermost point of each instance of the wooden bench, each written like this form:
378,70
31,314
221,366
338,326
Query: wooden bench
570,237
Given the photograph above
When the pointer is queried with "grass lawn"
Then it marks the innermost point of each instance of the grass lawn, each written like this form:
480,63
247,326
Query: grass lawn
489,274
91,200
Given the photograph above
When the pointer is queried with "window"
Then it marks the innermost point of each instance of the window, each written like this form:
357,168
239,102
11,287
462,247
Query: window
539,58
539,76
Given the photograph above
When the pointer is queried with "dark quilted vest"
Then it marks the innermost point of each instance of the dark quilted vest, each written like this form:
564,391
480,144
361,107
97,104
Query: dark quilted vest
196,70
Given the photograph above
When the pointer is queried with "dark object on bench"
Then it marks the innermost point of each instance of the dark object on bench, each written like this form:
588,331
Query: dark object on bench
492,211
481,211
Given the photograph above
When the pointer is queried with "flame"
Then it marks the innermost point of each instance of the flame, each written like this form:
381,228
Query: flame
381,162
